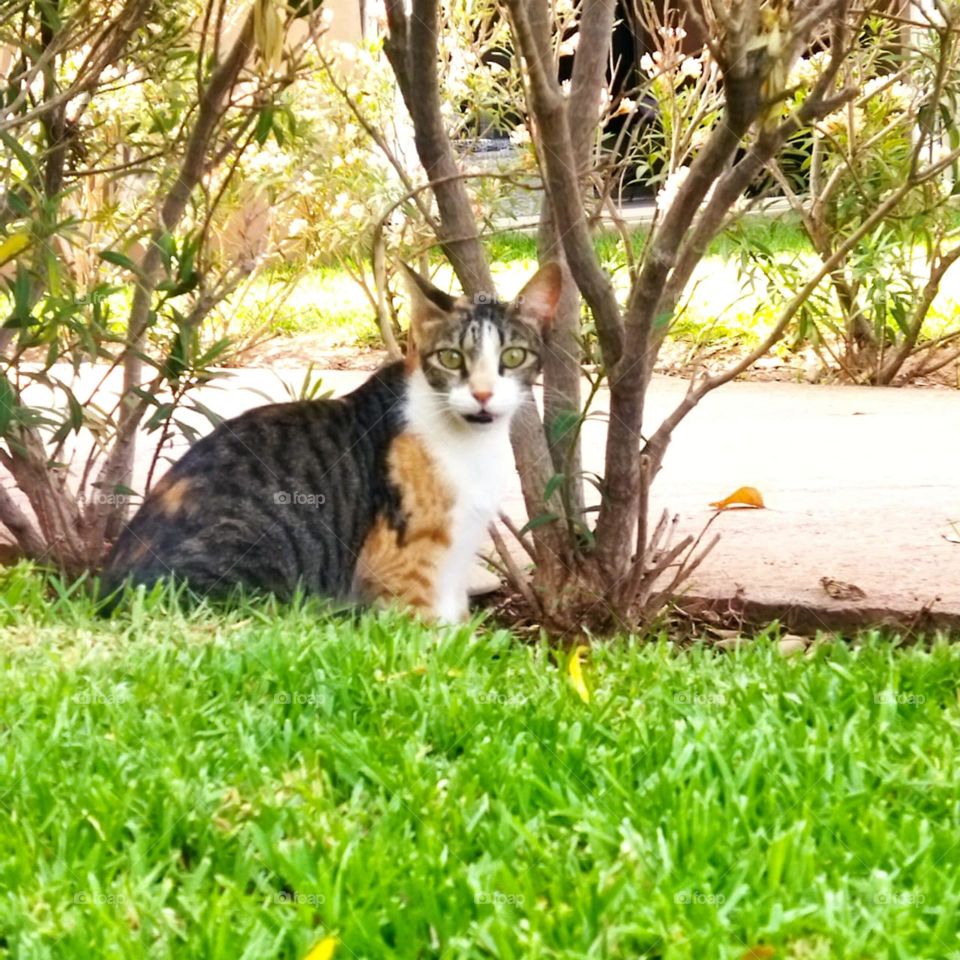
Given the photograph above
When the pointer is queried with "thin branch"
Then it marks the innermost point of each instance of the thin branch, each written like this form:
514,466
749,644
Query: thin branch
519,537
212,105
560,167
517,578
697,390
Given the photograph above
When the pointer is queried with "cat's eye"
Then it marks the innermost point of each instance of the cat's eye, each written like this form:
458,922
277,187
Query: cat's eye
513,357
449,359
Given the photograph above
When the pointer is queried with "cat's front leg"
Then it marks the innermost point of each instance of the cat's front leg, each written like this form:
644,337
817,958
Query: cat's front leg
451,607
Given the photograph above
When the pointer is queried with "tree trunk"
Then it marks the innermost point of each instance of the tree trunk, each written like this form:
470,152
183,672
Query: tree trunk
561,370
411,48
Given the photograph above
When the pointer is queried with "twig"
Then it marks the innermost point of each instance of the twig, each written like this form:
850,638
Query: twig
516,578
520,538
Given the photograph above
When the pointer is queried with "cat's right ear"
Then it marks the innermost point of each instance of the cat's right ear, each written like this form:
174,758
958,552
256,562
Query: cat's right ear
537,301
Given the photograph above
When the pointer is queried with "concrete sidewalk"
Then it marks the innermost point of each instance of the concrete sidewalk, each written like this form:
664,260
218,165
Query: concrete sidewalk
860,484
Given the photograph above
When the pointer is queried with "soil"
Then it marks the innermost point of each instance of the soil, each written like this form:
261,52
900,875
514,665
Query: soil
315,348
678,359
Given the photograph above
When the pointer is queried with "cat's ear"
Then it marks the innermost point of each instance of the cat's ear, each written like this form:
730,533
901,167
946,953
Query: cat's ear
428,304
537,302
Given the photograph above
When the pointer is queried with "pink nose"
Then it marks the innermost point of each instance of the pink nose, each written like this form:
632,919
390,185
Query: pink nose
482,396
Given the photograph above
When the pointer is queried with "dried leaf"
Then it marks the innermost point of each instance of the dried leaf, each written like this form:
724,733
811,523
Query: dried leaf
576,674
761,952
789,645
841,590
734,642
741,497
324,950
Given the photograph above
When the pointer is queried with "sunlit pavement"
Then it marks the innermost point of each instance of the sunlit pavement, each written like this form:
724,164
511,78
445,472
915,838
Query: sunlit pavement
861,485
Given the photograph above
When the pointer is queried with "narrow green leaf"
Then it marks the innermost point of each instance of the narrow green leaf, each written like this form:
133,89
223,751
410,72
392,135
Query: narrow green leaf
19,151
264,125
553,484
662,320
539,521
120,260
563,423
8,403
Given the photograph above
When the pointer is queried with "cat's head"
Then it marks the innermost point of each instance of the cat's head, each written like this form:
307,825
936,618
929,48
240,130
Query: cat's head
481,356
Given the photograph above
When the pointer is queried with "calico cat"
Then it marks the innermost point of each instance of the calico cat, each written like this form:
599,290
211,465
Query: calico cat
384,494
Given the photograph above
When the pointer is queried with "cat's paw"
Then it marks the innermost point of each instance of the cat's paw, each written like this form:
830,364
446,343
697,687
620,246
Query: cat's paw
451,610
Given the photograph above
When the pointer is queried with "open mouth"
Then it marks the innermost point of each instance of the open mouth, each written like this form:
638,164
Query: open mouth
482,417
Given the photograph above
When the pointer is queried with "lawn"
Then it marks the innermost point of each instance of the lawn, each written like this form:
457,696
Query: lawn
247,784
725,308
325,299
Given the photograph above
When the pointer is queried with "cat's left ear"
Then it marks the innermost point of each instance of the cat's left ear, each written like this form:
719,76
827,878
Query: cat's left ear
430,310
428,304
537,302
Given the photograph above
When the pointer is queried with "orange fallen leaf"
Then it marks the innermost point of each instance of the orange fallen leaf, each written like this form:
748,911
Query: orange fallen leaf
741,497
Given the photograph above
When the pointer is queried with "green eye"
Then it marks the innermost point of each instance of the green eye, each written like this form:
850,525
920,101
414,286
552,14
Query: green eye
513,357
449,359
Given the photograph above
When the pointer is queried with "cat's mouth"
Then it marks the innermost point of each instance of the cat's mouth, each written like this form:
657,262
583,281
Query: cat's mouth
481,417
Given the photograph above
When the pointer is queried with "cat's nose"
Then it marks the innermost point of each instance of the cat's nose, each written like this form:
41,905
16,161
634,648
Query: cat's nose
482,396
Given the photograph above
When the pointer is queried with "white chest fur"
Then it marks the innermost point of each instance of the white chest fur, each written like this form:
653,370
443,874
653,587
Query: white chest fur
477,462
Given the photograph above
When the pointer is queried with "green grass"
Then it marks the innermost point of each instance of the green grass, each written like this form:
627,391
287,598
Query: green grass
242,785
781,234
327,300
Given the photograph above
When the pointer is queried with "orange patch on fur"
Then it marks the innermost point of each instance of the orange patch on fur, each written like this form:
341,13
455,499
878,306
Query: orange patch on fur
138,552
171,497
412,360
404,567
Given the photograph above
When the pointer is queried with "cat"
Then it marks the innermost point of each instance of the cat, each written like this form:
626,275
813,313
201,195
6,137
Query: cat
382,495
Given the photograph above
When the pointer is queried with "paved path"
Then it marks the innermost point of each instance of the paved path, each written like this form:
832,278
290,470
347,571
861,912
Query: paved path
861,485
